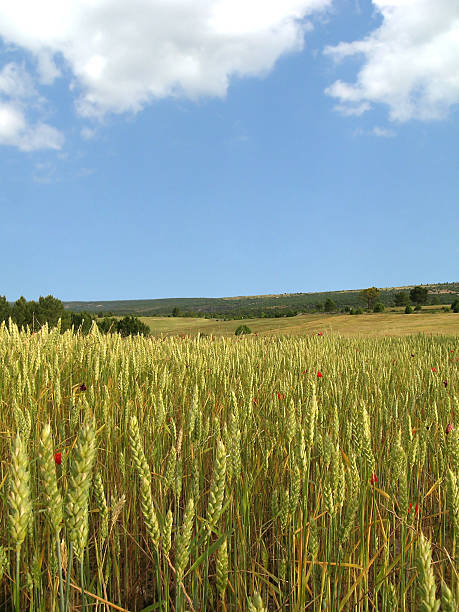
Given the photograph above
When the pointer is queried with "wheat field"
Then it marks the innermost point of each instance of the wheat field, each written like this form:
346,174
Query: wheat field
259,473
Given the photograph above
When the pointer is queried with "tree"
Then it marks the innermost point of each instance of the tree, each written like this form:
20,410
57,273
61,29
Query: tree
378,307
369,296
455,306
49,310
176,311
408,309
418,295
242,330
81,321
131,326
5,309
435,300
329,305
107,325
401,299
21,313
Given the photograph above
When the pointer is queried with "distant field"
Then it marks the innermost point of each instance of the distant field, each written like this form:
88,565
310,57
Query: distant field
386,324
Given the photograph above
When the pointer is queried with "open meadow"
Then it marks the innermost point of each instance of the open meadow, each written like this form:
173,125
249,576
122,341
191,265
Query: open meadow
255,473
374,324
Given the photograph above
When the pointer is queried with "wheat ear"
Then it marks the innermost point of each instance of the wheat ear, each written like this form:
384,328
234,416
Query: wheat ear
143,471
184,540
222,569
76,506
20,505
426,577
217,489
52,495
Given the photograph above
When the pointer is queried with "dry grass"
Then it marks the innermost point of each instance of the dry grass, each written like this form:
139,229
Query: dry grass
368,325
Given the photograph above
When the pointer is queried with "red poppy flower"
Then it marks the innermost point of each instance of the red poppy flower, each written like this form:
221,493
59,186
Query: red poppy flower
445,382
58,458
255,401
416,509
320,334
83,387
409,509
281,396
373,479
319,374
449,428
304,372
434,369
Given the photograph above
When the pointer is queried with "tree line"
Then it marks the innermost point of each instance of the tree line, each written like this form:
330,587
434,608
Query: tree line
50,310
34,314
371,298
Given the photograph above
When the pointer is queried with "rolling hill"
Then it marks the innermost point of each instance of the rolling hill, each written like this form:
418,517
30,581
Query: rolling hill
445,292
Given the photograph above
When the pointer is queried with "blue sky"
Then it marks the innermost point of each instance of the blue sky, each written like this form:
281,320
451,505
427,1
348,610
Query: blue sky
216,148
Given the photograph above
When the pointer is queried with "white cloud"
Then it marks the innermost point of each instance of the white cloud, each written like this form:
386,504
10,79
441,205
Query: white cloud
16,82
411,62
47,69
17,95
41,136
16,132
351,110
383,132
123,55
88,133
12,123
45,172
380,132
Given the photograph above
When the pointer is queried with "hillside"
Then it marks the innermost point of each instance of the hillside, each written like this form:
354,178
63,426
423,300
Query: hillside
446,293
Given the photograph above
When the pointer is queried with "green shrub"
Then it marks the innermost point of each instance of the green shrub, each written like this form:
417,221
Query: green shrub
131,326
107,325
329,305
378,307
418,307
455,306
242,329
408,310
